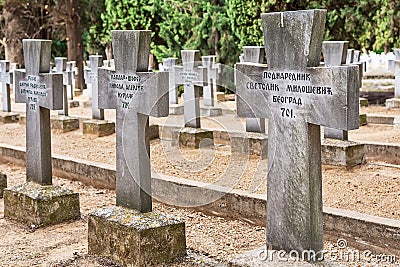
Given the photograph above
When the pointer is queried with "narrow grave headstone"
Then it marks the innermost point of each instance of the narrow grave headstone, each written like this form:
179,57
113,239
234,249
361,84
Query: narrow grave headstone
170,65
297,96
70,70
88,84
350,56
395,102
209,88
38,202
123,233
97,125
6,79
254,54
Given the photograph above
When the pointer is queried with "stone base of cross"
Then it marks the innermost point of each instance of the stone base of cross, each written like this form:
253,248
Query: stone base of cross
9,117
98,128
38,202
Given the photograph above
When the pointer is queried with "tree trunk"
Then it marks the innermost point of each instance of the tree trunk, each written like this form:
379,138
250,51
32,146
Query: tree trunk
13,31
74,39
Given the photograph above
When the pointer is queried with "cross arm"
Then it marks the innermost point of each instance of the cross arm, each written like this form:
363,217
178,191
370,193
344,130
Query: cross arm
107,96
321,96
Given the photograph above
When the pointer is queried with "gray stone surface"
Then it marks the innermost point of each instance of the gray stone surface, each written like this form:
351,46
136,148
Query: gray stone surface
254,54
397,78
41,91
9,117
334,52
192,76
98,127
169,66
135,239
61,67
297,96
5,80
3,183
350,56
92,76
70,70
342,153
136,94
212,72
193,137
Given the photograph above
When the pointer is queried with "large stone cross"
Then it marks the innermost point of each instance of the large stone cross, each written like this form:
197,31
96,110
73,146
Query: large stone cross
192,76
6,80
92,78
135,93
297,96
41,91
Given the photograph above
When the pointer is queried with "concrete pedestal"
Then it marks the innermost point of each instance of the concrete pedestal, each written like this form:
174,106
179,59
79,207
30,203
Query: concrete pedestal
64,123
210,111
363,119
98,127
363,102
250,144
130,238
342,153
33,204
175,109
3,183
8,117
193,138
393,103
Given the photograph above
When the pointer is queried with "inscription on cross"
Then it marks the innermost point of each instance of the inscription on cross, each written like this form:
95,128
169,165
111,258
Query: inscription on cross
6,80
192,76
41,91
136,94
297,96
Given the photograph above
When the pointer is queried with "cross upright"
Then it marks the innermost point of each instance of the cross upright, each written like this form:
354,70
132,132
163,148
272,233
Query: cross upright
6,80
61,67
136,94
70,69
297,96
169,66
192,76
212,73
92,77
41,91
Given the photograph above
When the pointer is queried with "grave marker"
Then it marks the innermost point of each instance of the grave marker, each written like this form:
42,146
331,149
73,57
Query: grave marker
297,96
6,80
254,54
38,202
61,67
136,94
210,87
395,101
169,66
70,69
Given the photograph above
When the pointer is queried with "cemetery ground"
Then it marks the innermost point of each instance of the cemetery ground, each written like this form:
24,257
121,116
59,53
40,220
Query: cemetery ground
371,189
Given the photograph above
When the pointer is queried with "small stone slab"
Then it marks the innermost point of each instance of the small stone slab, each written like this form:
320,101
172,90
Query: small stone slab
98,127
135,239
64,124
392,103
380,119
8,117
34,204
175,109
363,102
221,97
195,137
210,111
3,183
250,144
342,153
363,119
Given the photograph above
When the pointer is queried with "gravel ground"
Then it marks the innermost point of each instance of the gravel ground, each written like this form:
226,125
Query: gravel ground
212,241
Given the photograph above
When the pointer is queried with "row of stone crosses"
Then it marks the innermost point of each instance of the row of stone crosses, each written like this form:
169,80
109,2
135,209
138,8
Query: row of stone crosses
293,91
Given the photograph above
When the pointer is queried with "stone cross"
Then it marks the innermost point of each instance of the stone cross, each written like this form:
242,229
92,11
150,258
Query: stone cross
297,96
41,91
70,69
92,78
397,73
350,56
212,73
61,67
192,77
136,94
254,54
6,80
169,65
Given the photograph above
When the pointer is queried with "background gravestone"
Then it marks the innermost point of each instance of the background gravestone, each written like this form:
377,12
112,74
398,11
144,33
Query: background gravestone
395,102
97,125
130,233
6,79
297,96
170,66
209,88
38,202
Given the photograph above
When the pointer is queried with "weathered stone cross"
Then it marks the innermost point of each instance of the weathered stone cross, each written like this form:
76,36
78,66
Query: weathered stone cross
41,91
169,65
61,67
92,77
135,93
70,69
192,77
6,80
212,73
254,54
297,96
